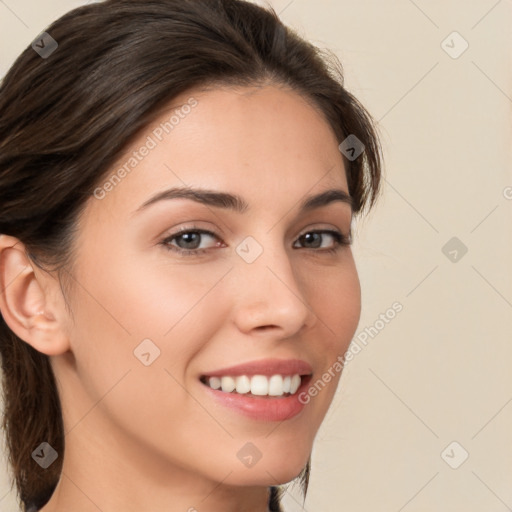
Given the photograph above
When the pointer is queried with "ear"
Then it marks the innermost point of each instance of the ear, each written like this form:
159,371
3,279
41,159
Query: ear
31,300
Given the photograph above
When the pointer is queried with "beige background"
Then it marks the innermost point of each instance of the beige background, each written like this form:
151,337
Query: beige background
440,370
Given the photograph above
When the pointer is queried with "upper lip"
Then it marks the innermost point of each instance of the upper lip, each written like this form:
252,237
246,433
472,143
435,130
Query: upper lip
266,367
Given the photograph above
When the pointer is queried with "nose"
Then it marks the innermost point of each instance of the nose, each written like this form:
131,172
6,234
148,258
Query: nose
271,295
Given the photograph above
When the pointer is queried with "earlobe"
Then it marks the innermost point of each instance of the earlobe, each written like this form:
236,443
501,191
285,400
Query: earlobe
25,300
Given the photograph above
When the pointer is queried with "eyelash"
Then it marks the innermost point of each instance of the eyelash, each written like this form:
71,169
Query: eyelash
341,241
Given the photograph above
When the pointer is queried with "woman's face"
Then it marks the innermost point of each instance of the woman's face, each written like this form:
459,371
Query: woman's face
150,322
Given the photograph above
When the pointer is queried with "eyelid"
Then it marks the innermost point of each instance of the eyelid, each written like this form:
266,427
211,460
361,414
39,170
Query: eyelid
214,233
165,241
340,237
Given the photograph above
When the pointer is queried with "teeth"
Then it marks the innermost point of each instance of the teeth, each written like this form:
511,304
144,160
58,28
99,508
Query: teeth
275,385
260,385
243,384
295,383
286,384
215,383
228,384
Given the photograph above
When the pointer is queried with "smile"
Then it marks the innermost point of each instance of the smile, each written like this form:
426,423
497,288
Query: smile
258,385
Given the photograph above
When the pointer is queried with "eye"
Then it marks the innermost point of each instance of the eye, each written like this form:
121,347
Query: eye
187,241
316,238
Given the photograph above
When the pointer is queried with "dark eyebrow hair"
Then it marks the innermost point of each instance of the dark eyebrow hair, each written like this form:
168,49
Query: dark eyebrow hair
237,203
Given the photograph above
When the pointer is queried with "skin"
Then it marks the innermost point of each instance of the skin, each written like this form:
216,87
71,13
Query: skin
150,437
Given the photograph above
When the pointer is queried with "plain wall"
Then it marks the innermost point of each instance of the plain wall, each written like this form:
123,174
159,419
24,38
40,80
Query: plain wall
438,372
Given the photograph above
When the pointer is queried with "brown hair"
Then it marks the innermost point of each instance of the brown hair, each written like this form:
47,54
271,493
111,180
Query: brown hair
65,119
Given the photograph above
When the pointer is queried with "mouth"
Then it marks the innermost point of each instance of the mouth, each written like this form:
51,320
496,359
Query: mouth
268,390
258,386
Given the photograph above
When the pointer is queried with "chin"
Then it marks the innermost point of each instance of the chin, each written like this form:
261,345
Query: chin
280,469
283,475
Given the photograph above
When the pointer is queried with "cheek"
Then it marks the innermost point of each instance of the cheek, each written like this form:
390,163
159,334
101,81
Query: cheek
346,306
141,301
124,311
336,300
117,308
335,296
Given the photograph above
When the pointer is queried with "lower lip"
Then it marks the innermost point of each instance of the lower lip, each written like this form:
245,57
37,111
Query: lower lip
265,408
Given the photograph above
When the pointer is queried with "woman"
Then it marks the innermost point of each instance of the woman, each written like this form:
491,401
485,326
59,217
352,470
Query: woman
178,181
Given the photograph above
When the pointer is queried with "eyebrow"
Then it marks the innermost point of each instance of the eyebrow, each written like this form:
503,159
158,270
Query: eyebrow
238,204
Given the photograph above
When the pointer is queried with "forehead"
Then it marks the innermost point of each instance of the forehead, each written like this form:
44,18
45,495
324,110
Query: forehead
250,141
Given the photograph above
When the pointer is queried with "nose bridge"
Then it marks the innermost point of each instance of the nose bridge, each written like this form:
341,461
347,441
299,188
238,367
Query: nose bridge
270,291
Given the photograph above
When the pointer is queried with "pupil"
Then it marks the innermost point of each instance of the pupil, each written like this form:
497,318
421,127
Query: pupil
187,235
310,235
